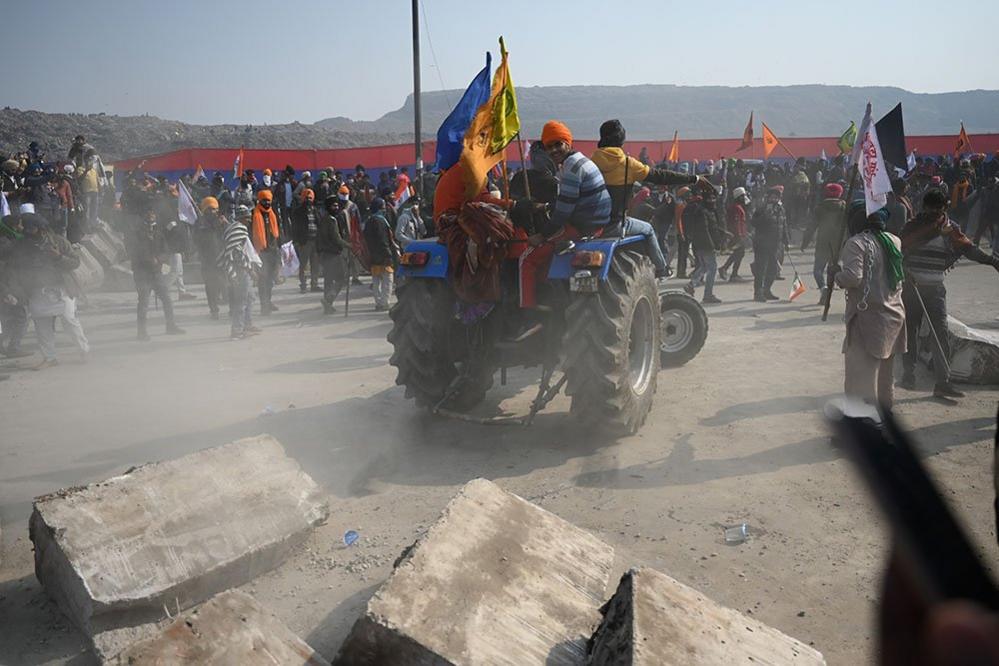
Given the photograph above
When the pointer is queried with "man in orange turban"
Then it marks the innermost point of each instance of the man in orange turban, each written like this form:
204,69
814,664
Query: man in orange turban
266,240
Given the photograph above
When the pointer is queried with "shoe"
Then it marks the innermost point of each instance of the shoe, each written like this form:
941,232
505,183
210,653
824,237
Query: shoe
381,308
663,273
187,296
908,381
770,296
252,330
780,278
329,309
142,336
175,330
16,353
759,298
214,315
947,391
710,299
689,288
273,307
735,277
723,273
46,363
315,289
356,282
237,336
303,290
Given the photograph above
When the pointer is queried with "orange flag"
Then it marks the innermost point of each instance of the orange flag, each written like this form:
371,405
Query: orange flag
963,142
674,150
770,141
747,135
797,288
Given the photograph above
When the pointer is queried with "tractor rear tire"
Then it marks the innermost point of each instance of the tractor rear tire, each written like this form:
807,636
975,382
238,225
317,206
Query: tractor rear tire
684,328
421,319
612,345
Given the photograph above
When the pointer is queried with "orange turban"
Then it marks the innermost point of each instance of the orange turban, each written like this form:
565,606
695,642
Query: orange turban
555,131
308,195
265,195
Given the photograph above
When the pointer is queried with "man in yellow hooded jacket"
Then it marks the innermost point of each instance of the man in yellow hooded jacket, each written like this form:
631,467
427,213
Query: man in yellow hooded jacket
621,172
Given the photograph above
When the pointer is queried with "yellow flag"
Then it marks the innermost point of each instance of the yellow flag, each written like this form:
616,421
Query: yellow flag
674,150
770,141
506,121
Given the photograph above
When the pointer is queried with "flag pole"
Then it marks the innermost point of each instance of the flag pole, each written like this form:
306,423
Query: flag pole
417,131
523,165
830,276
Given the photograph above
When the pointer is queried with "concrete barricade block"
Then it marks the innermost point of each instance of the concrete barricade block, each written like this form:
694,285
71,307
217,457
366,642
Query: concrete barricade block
230,629
655,620
496,580
122,553
974,353
89,275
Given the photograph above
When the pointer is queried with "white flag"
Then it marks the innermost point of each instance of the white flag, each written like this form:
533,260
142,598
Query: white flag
823,156
186,210
4,206
910,162
871,165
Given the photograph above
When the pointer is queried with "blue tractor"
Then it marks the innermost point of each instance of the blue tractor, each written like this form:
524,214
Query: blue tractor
606,327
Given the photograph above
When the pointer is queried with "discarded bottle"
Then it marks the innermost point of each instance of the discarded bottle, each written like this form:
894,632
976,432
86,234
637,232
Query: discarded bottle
736,535
267,411
349,537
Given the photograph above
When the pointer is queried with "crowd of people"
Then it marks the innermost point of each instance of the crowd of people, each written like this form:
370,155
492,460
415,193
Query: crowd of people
338,226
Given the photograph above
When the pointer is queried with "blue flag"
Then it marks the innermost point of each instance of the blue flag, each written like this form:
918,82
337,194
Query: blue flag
452,130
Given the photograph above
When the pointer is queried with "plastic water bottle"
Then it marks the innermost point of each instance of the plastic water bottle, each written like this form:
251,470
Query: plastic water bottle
349,537
736,535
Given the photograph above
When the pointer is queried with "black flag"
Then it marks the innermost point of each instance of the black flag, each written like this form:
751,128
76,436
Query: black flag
891,136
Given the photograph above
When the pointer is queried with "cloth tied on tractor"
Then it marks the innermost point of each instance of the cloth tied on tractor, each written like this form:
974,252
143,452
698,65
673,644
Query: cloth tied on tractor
476,241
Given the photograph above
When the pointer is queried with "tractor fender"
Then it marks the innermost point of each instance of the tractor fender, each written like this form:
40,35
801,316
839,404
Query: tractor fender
437,260
561,268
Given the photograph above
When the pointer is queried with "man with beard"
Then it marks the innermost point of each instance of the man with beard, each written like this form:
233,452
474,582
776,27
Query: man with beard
265,236
332,247
149,252
699,224
208,239
304,231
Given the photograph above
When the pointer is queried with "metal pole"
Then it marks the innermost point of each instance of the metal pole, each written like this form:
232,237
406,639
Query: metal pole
416,97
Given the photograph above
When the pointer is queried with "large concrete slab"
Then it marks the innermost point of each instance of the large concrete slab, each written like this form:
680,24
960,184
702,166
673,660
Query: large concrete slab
496,580
122,553
89,275
974,353
230,629
654,620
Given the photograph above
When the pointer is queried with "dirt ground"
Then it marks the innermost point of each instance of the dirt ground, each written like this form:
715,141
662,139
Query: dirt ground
734,436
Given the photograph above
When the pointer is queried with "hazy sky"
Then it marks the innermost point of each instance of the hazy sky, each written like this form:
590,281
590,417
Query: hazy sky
253,61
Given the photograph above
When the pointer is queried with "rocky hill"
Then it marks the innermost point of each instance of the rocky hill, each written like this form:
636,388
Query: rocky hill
118,137
648,111
707,112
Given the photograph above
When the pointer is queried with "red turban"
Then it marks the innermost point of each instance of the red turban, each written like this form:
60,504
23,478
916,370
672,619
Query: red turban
555,131
834,191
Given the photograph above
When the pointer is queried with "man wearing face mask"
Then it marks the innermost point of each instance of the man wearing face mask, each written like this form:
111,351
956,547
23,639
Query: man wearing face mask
148,251
332,247
40,275
265,236
699,221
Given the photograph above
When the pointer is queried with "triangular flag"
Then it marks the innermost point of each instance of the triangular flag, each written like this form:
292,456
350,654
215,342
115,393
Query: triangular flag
770,141
747,134
963,142
4,205
822,156
199,173
674,150
797,287
910,161
186,210
871,165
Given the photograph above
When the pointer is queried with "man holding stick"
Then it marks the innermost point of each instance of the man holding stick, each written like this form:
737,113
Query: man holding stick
932,243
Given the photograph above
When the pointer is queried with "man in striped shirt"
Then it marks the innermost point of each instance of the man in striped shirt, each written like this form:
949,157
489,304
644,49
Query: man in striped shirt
583,204
931,244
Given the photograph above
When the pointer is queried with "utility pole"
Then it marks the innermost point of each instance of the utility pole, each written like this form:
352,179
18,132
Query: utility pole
416,99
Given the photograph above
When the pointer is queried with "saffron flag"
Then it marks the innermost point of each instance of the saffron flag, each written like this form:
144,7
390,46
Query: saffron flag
506,121
770,141
747,135
871,165
452,130
186,210
674,150
848,139
477,156
963,142
237,164
199,173
797,287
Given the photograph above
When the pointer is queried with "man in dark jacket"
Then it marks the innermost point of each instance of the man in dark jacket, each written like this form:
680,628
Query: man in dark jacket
383,253
332,247
699,224
40,275
770,232
304,230
149,252
208,239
